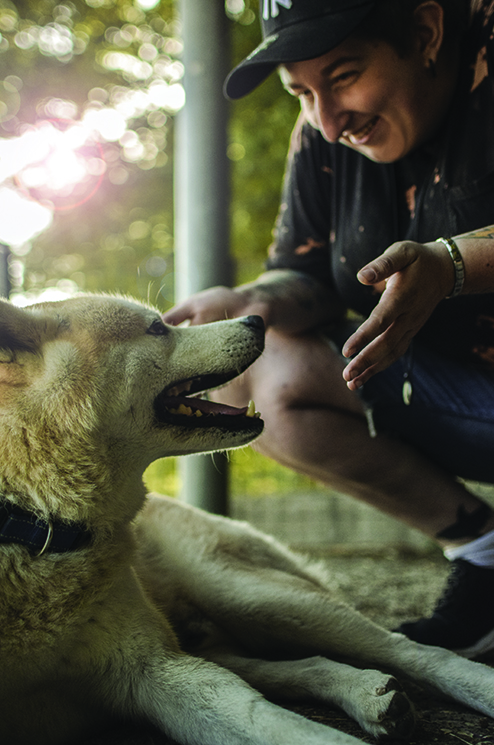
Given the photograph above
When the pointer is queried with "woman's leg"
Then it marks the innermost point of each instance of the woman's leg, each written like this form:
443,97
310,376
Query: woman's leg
316,426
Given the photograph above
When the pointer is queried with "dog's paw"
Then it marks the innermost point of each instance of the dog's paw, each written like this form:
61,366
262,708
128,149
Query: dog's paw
387,711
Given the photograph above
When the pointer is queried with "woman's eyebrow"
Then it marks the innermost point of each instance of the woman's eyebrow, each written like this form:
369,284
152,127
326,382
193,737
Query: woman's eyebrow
327,71
333,66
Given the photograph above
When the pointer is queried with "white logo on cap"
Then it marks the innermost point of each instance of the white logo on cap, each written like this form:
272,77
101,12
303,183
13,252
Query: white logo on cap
273,6
265,44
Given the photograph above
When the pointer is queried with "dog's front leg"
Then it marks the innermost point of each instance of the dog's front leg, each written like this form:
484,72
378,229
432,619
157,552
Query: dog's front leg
300,616
374,699
471,683
199,703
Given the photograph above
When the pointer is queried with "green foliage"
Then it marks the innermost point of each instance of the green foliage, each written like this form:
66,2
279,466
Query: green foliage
63,62
162,477
250,474
255,475
260,128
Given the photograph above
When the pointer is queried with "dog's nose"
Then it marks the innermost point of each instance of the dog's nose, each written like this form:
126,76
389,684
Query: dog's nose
254,322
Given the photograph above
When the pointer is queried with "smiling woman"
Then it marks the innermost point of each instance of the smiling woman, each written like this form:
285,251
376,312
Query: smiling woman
370,98
386,221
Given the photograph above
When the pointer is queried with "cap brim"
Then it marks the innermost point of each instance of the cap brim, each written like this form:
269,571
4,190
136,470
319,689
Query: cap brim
303,40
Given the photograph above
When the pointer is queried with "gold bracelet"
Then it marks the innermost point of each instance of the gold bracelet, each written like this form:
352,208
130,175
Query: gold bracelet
458,264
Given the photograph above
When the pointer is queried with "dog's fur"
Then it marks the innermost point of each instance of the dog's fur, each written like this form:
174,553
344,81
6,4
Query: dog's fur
168,614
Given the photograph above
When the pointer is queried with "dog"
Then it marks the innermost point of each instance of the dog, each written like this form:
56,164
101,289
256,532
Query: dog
117,605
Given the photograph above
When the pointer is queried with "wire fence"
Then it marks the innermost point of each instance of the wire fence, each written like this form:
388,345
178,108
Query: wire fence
324,521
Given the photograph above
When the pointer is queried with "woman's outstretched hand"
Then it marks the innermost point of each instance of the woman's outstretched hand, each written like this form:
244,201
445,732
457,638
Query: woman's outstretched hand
413,278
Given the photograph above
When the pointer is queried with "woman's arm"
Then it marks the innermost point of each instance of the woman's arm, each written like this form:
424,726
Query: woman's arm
291,301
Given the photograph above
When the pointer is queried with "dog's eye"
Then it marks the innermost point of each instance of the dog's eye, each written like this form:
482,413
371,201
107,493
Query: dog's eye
157,328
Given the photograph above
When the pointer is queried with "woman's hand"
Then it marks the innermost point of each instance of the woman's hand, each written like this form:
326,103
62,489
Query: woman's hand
414,278
292,301
213,304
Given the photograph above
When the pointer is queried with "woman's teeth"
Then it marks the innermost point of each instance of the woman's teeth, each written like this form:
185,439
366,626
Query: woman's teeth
356,138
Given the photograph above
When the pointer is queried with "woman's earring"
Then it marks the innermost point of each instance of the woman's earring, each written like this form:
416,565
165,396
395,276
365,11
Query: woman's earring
432,68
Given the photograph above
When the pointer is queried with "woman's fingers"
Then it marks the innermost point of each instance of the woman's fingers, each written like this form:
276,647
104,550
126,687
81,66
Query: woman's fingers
417,278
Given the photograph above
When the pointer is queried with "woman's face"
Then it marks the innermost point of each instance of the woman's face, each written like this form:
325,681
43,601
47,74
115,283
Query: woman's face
364,95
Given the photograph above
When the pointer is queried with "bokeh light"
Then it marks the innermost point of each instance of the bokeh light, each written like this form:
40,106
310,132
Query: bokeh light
59,163
87,95
20,218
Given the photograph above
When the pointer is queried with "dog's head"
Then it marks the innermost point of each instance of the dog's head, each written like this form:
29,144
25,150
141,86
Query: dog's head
101,378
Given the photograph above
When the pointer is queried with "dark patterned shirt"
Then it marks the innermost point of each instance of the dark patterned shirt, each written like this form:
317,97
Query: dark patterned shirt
340,210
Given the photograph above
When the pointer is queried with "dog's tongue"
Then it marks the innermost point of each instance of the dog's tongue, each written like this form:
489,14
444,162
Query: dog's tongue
200,404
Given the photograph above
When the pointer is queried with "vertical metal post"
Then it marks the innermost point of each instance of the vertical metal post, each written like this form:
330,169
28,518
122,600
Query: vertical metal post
202,198
4,271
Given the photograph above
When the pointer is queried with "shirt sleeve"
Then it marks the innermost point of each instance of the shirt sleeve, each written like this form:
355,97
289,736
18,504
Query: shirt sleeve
303,226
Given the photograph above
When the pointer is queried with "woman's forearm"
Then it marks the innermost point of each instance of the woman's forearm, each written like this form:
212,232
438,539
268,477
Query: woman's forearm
297,301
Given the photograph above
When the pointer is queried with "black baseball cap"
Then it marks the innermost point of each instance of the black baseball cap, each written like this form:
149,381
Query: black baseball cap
295,30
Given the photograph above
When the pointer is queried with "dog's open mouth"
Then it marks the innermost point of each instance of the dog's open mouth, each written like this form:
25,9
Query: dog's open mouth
177,405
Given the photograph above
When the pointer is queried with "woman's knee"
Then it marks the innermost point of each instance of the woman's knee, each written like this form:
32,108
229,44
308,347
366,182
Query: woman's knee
299,372
292,372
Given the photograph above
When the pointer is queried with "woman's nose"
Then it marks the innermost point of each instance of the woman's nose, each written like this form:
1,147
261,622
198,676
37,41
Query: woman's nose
330,119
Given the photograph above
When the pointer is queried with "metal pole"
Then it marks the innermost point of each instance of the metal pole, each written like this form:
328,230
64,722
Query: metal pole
202,199
4,271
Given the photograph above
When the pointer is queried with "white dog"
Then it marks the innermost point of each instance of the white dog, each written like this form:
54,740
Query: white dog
113,606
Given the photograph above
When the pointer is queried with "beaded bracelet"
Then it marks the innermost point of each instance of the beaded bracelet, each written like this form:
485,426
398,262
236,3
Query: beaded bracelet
458,264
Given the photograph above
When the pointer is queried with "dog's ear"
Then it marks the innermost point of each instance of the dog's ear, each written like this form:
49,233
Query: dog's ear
19,328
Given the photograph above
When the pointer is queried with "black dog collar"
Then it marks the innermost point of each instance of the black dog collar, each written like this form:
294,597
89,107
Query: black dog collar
40,536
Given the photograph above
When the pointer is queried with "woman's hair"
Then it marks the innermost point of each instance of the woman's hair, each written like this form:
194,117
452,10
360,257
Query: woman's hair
392,21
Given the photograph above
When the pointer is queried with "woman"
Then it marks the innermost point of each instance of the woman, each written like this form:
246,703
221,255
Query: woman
390,176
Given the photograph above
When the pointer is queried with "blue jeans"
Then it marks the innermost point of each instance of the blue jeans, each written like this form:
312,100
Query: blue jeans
450,418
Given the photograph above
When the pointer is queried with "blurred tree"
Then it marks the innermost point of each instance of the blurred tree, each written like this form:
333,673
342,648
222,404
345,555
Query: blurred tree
114,65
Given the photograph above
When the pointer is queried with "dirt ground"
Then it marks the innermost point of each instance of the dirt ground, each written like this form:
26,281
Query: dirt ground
389,588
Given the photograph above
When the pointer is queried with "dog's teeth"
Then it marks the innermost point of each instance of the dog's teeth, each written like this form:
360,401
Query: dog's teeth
198,413
251,410
183,410
177,390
